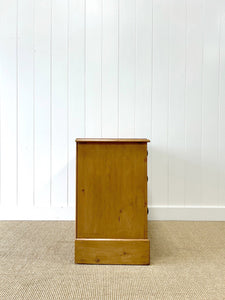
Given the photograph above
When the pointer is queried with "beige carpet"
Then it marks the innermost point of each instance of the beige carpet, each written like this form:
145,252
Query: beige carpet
37,262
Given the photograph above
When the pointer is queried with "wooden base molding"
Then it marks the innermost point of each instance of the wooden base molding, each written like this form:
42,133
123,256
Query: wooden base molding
112,251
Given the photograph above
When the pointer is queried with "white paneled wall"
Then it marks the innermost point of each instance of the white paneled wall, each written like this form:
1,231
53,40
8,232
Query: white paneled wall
108,68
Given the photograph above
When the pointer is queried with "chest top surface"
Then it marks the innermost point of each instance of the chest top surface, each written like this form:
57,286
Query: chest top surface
122,140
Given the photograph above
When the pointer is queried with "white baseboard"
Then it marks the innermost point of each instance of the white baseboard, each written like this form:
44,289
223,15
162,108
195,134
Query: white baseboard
177,213
36,213
187,213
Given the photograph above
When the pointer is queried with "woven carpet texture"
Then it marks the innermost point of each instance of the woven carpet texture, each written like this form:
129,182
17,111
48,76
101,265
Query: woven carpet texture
37,262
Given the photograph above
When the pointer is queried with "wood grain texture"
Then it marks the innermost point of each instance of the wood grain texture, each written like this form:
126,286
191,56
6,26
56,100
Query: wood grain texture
103,251
111,190
111,202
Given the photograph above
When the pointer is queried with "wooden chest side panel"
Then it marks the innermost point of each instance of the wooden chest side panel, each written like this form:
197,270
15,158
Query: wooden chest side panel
111,190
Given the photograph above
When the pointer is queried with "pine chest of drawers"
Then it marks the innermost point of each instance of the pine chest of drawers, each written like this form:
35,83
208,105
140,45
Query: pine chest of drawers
111,201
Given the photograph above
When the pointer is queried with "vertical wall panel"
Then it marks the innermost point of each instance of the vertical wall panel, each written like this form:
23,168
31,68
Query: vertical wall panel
193,121
93,67
109,68
143,103
210,112
8,93
25,102
221,125
105,68
143,68
127,67
75,85
160,90
59,102
8,19
42,99
177,89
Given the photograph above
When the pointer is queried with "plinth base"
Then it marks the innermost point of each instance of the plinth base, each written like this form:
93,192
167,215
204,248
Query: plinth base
112,251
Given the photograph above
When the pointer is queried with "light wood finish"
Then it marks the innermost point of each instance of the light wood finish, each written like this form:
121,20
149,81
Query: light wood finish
113,140
103,251
111,193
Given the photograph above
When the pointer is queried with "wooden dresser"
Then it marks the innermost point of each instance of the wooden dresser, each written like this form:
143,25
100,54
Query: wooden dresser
111,202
